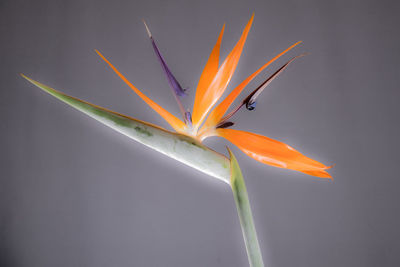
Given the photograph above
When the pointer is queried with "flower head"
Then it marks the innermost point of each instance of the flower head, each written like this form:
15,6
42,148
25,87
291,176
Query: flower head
207,118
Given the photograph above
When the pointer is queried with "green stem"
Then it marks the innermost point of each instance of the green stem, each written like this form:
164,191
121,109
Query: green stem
245,216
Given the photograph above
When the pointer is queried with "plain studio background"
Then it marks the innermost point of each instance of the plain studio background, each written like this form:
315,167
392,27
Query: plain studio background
75,193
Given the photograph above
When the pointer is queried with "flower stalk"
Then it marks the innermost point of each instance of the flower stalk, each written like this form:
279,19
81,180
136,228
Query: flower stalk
245,216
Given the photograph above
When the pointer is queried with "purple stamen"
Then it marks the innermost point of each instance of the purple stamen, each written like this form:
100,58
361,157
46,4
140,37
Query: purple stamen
188,118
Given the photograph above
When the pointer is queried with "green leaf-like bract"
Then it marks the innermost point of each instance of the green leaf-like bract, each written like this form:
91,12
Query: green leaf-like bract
180,147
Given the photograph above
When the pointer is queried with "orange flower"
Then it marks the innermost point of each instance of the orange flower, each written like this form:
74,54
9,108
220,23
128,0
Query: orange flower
212,84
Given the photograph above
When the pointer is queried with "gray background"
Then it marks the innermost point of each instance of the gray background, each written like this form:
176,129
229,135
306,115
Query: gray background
76,193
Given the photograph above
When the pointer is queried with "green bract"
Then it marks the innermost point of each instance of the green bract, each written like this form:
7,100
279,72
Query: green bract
177,146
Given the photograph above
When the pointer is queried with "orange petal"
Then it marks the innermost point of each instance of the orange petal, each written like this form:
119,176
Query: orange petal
208,96
211,68
219,111
176,123
273,152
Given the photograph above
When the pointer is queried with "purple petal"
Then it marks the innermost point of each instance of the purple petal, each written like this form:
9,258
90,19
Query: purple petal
250,100
177,88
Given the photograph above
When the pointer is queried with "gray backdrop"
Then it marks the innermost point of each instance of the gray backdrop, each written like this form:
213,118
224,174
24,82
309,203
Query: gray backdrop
75,193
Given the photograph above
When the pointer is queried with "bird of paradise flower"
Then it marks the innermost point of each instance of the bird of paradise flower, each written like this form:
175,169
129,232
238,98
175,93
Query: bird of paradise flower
207,119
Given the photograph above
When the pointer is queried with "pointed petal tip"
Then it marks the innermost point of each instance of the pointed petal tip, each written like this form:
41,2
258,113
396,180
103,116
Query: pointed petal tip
230,152
302,55
321,173
251,19
147,28
27,78
333,165
231,155
102,57
222,30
